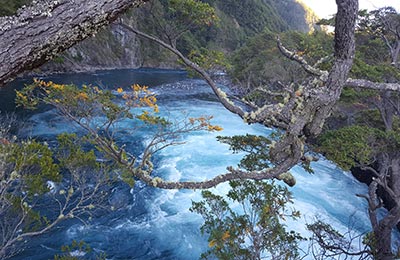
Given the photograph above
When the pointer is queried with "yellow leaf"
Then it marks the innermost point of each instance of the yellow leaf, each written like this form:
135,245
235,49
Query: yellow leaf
214,128
226,235
212,243
120,90
82,96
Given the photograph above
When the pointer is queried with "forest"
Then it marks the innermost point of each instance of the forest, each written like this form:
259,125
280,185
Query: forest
308,88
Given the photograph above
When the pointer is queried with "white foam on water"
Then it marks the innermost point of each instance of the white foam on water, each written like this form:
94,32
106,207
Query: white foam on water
329,193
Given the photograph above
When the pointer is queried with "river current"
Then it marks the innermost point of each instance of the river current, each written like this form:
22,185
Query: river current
157,224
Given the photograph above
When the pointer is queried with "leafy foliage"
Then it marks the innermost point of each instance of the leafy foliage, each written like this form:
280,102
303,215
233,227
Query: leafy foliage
253,231
353,96
171,19
256,147
266,15
358,145
34,163
72,155
348,146
192,12
210,60
378,71
32,174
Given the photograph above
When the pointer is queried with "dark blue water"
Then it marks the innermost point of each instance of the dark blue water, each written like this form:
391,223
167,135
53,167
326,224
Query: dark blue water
104,78
157,224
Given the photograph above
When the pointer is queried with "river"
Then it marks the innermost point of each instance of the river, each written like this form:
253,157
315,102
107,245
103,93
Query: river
157,224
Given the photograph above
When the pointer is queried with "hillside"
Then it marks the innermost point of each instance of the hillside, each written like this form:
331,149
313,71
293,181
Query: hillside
116,48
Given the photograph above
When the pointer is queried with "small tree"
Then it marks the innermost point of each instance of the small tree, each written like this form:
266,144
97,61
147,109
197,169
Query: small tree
255,229
328,243
33,195
383,23
28,167
363,147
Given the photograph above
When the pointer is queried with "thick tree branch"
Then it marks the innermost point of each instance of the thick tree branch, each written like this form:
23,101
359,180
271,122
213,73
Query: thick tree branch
38,33
362,83
233,174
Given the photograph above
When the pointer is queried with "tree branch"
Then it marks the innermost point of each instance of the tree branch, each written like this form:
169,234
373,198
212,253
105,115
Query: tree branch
233,174
295,57
362,83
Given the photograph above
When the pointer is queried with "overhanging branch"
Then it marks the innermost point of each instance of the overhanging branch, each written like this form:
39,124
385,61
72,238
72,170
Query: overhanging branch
39,32
233,174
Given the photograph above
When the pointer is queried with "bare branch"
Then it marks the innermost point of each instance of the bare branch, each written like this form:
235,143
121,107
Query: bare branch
322,60
362,83
295,57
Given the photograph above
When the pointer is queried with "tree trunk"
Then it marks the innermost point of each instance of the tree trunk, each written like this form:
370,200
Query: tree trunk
39,32
388,179
326,97
395,53
386,109
383,234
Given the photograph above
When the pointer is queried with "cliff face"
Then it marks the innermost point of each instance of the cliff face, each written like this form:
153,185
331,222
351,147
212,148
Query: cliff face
110,48
296,14
116,48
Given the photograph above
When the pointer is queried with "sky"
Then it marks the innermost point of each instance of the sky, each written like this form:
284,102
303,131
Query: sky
326,8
